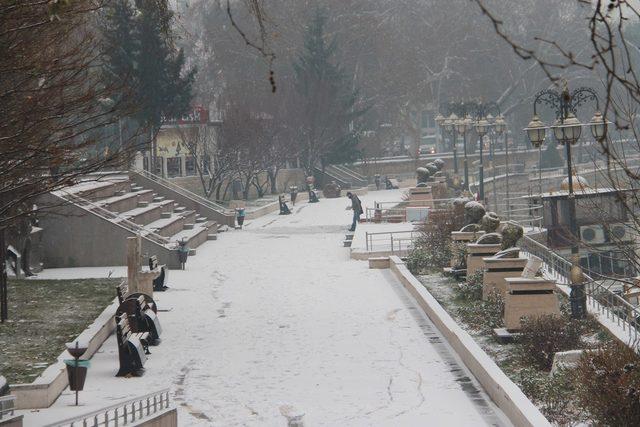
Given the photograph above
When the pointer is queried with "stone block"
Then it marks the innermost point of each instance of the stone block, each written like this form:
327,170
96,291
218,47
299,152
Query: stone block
497,270
475,255
379,262
420,195
530,298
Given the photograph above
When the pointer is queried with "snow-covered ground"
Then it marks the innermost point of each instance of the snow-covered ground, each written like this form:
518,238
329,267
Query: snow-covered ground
275,319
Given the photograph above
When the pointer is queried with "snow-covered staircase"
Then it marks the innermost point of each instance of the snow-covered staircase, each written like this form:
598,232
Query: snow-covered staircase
101,211
152,212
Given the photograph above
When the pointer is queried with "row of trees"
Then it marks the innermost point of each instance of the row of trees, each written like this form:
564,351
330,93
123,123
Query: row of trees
401,57
67,92
310,118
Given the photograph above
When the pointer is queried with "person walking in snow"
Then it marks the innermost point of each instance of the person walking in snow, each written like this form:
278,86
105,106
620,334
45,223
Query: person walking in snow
356,206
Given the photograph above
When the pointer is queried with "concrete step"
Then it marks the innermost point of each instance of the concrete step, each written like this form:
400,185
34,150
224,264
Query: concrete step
166,215
143,215
142,203
136,188
167,227
212,237
125,202
201,219
189,216
195,237
166,205
157,198
179,209
96,190
189,226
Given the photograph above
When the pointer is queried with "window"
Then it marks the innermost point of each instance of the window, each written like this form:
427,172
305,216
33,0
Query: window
190,165
174,166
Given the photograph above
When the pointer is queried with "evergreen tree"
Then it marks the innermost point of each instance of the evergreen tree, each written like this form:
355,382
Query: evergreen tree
142,61
163,90
120,46
326,102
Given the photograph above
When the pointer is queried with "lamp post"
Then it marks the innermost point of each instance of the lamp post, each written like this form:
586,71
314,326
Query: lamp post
482,126
567,130
447,124
463,126
499,128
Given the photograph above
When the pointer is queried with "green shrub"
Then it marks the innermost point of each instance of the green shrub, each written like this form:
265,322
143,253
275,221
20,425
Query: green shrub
459,254
471,290
419,260
486,315
432,251
554,395
608,385
541,337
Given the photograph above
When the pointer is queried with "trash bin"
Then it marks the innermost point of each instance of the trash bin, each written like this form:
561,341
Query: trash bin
183,253
240,216
77,373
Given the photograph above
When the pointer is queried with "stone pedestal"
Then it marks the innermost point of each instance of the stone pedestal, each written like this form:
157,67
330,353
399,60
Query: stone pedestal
463,237
528,297
420,196
476,253
138,280
497,270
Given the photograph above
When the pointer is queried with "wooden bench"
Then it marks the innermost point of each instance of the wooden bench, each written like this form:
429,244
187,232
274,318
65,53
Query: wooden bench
122,290
142,317
132,348
160,282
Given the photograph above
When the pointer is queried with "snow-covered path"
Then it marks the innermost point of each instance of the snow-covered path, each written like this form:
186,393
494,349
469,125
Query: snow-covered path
275,319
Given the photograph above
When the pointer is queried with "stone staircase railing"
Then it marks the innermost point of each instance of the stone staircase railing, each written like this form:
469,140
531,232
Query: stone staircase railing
183,191
115,218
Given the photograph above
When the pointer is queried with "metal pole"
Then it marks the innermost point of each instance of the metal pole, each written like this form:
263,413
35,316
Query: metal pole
455,151
495,194
506,159
481,173
466,166
540,170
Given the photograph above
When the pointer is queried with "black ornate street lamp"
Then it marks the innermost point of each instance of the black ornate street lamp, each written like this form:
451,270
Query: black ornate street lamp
567,130
480,111
447,124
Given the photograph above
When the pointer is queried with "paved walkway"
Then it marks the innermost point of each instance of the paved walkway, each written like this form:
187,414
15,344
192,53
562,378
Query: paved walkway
276,320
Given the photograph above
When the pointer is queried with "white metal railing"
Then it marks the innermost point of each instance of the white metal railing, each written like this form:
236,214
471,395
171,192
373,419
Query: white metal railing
394,241
7,407
130,412
115,218
183,191
345,172
386,214
615,308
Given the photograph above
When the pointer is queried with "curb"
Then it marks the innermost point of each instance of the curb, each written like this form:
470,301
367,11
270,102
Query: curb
504,392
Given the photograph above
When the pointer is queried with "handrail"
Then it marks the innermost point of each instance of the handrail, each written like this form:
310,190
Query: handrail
124,413
391,240
613,306
7,406
111,216
351,172
183,191
348,173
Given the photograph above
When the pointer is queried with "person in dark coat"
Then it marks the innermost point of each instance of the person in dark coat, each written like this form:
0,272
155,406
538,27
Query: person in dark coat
356,205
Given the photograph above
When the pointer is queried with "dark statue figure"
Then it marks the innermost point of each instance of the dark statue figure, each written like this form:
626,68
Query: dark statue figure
423,175
473,212
511,233
490,222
